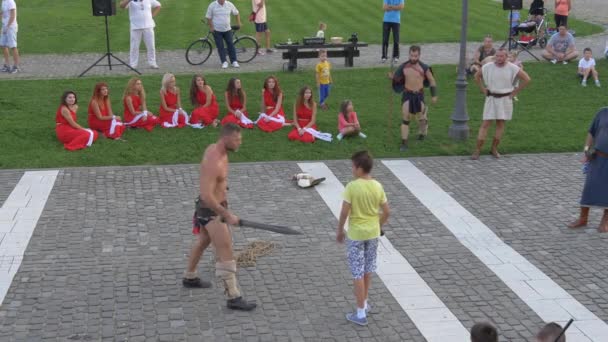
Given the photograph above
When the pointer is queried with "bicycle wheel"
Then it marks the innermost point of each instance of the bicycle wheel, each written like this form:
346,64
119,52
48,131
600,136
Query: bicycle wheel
246,49
198,52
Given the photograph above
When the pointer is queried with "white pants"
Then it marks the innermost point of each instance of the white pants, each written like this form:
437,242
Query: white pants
148,35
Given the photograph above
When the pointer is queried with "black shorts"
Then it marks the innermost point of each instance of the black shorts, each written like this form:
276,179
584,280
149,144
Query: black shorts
263,27
202,216
415,101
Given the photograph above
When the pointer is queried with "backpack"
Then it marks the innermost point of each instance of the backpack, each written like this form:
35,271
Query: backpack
399,79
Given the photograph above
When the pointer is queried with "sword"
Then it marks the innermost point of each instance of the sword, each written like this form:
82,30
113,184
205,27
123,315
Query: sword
269,227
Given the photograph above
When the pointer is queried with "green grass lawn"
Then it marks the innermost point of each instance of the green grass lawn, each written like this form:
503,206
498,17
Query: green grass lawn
67,26
552,115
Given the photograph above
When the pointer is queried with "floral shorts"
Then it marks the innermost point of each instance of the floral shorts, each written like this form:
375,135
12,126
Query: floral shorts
361,256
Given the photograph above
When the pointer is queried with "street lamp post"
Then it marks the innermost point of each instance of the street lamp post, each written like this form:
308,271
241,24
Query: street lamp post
459,130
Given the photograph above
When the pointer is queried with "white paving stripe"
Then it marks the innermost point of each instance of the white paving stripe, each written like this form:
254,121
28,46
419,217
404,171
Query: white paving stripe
18,218
545,297
434,320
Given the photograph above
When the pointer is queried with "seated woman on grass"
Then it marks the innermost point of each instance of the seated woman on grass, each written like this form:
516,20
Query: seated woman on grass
348,124
69,132
203,99
136,110
304,116
101,116
236,102
272,117
170,111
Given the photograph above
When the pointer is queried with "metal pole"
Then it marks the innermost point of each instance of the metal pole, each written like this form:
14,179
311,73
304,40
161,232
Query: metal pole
108,53
459,130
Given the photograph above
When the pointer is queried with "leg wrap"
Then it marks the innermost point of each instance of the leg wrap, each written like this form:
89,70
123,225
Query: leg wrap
190,275
226,272
423,126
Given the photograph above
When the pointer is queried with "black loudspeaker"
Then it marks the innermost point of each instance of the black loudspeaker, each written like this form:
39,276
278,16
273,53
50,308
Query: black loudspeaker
102,8
512,5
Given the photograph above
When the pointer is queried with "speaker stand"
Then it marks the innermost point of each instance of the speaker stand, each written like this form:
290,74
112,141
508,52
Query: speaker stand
108,55
512,43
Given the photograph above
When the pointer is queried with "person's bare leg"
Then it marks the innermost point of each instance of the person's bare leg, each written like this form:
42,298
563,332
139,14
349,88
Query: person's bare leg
582,219
6,56
423,122
594,73
191,278
405,125
359,290
603,228
586,74
547,55
481,137
16,56
570,56
367,280
500,129
267,39
258,38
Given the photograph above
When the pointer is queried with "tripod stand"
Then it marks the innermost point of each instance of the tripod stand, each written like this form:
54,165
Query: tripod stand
512,42
109,55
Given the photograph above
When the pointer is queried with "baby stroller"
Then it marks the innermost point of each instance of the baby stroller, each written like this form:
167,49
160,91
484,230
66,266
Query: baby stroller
535,29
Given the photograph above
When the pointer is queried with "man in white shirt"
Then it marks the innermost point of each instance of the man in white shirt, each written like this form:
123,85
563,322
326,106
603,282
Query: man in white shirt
586,67
141,14
218,18
8,36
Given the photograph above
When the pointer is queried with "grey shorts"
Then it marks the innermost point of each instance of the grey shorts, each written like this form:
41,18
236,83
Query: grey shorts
361,256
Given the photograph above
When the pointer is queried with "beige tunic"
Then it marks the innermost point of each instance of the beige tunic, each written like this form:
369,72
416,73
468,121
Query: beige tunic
499,80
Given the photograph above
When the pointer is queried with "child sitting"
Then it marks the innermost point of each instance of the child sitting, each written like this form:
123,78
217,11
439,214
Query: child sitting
586,66
348,124
321,32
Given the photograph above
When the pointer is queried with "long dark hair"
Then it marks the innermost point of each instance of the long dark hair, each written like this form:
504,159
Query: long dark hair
300,100
277,89
194,89
65,95
343,108
232,91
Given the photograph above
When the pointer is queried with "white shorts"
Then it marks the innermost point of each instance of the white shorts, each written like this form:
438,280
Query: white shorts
8,38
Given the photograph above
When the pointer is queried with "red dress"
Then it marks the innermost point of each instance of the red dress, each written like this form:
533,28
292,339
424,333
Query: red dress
167,116
112,128
72,138
132,120
235,103
204,115
270,105
304,115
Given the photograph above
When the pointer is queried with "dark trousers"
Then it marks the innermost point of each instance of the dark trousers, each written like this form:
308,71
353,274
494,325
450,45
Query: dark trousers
219,38
561,20
386,30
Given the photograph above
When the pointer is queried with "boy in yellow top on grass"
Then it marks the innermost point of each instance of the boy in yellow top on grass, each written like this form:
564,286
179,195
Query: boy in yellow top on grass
323,76
363,199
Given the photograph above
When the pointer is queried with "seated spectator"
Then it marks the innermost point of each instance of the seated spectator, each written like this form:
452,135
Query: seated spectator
272,117
348,124
136,110
484,332
550,332
236,102
101,116
69,132
206,108
481,55
560,48
304,116
170,111
586,66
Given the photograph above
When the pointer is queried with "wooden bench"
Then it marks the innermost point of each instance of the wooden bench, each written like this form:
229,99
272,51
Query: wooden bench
296,51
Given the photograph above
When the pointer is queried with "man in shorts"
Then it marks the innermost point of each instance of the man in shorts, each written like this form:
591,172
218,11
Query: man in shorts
261,25
212,217
8,36
363,199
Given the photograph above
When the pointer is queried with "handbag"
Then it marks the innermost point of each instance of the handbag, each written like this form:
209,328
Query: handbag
252,16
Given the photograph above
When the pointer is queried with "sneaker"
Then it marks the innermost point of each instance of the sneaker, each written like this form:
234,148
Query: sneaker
361,135
269,50
554,61
235,64
564,62
196,283
15,69
225,65
239,303
6,68
383,60
597,83
352,317
515,98
339,136
584,83
396,60
421,137
153,66
261,53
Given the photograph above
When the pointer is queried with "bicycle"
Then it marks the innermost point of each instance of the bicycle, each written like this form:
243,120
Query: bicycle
199,50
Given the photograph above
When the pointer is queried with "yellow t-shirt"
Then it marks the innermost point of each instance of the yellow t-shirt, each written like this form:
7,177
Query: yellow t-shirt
365,197
323,70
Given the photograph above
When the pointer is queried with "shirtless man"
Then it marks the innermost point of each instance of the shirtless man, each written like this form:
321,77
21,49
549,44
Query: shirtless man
212,217
411,78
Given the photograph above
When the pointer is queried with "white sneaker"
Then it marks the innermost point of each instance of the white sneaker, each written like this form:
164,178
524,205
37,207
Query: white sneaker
235,64
225,65
554,61
339,136
153,66
584,83
565,62
361,135
597,83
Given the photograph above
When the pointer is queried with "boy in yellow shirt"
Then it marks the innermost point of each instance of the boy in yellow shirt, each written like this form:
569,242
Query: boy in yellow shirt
363,198
323,76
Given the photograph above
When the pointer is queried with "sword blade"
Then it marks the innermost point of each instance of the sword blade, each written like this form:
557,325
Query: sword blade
269,227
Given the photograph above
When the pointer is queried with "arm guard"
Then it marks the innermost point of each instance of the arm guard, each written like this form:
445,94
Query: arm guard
433,91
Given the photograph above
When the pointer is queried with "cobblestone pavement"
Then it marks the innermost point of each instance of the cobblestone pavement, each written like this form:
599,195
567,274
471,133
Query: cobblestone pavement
107,255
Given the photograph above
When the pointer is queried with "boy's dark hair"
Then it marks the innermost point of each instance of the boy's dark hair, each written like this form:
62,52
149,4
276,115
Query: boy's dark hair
587,49
550,332
363,160
484,332
415,48
229,129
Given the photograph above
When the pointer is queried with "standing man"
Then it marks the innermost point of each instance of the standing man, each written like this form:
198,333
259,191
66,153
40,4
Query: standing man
141,14
392,22
410,79
8,36
261,25
218,17
496,81
212,217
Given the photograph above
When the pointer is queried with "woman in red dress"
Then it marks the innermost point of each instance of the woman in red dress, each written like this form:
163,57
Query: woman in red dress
171,113
203,99
136,111
69,132
236,102
101,116
304,116
272,106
